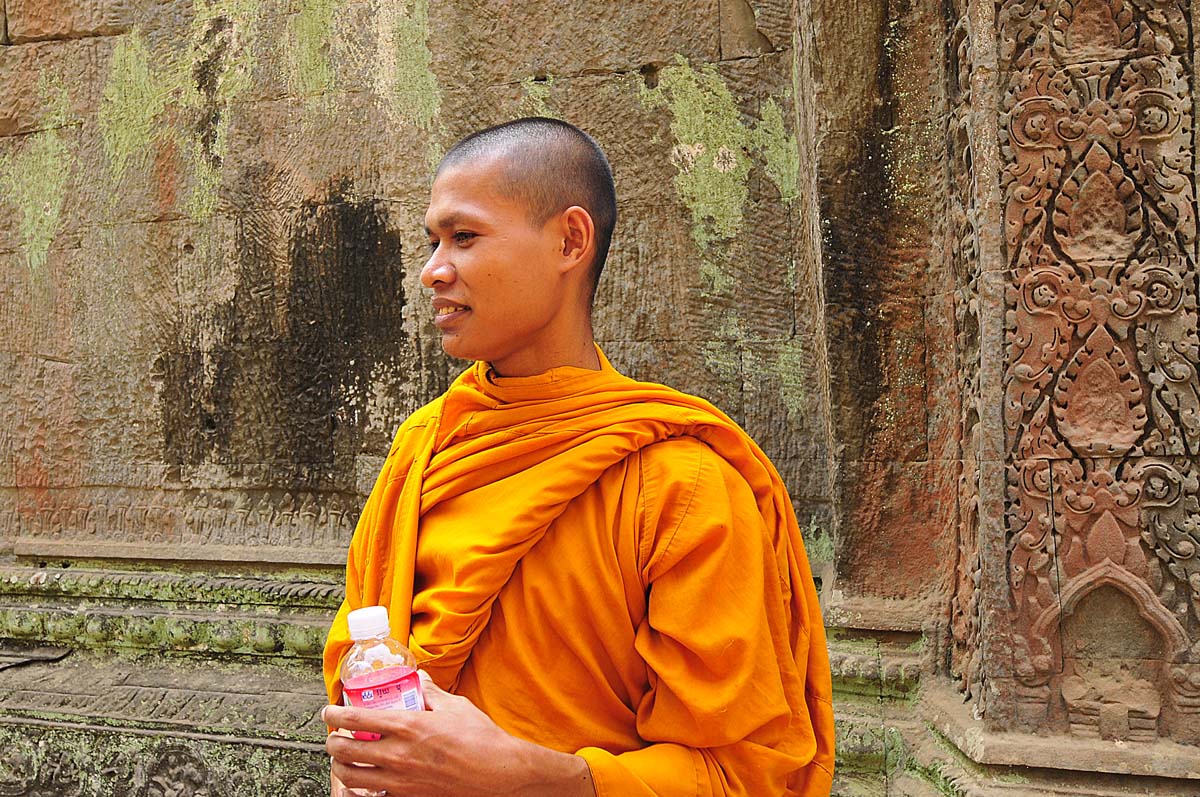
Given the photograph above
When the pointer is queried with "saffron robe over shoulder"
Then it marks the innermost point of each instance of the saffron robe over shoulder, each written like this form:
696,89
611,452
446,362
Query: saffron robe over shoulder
605,567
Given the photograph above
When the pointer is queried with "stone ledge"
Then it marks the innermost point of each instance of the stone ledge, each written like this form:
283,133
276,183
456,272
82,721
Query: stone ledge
43,758
896,672
163,629
944,709
59,20
226,616
168,586
875,614
936,767
36,547
266,702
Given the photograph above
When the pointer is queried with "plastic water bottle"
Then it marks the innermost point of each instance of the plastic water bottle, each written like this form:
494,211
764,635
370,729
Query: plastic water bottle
378,671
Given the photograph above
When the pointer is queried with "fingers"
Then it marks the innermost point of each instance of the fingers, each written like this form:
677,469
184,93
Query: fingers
354,776
436,698
381,721
434,695
342,747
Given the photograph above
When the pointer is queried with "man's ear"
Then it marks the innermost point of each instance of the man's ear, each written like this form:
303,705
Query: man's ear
578,237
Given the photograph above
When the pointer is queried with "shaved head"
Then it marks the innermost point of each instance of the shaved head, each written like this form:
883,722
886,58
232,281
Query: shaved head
549,165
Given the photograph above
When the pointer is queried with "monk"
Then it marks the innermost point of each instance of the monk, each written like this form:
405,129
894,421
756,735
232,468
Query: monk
603,579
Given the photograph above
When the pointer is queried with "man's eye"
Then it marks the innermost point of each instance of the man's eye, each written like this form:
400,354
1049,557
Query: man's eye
433,245
463,237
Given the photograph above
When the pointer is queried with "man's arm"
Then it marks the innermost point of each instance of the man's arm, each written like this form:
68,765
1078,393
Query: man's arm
452,749
735,706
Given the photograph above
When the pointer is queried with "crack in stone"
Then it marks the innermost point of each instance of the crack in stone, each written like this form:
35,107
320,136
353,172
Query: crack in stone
57,37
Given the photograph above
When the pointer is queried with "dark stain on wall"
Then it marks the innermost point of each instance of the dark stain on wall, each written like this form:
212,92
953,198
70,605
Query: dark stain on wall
318,305
212,50
856,209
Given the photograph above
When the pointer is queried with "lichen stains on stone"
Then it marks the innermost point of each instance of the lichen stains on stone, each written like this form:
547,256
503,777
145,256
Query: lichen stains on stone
818,544
779,150
134,97
711,148
536,101
790,367
403,71
34,180
714,148
311,42
723,356
221,61
212,50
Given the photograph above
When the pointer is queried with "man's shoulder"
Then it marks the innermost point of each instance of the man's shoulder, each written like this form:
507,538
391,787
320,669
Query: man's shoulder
680,457
420,419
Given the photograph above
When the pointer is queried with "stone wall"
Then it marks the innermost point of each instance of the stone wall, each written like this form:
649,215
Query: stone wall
213,324
937,257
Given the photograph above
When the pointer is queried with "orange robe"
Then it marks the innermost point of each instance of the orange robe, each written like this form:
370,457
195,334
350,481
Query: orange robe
605,567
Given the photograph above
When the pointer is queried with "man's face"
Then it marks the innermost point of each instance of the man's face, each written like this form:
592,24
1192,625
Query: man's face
499,294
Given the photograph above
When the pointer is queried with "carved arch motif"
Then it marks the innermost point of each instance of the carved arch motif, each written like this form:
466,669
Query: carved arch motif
1107,572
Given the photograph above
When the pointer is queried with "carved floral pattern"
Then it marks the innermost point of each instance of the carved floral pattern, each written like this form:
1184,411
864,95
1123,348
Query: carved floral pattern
965,664
1101,393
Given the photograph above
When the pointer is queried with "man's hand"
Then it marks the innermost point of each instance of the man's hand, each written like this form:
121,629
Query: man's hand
454,748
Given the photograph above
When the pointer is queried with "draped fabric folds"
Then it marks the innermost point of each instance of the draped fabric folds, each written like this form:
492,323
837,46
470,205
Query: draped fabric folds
505,459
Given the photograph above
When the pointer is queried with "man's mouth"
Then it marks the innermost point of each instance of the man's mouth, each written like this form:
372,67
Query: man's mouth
450,310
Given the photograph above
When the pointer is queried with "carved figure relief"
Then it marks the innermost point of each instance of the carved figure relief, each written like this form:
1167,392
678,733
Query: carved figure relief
264,518
177,772
35,764
26,771
1101,394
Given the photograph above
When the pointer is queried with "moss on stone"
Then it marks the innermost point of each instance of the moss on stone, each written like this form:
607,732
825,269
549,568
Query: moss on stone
712,152
790,368
779,151
536,101
711,148
723,356
243,18
35,179
206,181
715,278
404,78
104,760
219,69
312,72
134,97
818,544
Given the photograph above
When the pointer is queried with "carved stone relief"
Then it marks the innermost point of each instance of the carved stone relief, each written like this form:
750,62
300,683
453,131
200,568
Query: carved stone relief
79,763
963,219
114,520
1101,394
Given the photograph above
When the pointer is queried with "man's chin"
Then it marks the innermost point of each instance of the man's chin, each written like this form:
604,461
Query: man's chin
459,349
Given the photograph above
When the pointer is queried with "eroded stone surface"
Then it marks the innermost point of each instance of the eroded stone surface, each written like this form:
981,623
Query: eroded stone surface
40,20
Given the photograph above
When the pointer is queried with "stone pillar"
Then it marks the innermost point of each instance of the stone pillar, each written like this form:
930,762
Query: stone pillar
1077,589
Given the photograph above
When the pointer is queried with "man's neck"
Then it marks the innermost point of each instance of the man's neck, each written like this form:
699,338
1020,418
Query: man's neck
583,355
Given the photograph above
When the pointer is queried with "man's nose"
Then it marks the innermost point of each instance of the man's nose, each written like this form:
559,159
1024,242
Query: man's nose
437,270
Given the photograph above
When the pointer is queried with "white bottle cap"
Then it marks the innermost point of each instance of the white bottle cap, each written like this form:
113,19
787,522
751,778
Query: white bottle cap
368,622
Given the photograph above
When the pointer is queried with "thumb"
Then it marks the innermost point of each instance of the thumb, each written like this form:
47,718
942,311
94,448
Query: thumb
436,697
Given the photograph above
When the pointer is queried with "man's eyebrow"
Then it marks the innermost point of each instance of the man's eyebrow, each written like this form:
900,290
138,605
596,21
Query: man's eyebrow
448,220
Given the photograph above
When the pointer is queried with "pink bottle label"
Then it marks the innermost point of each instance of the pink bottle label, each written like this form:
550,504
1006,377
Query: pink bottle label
389,687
